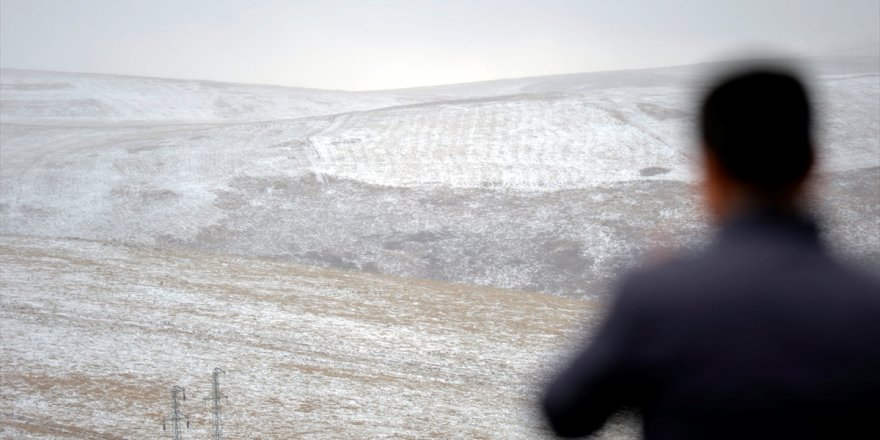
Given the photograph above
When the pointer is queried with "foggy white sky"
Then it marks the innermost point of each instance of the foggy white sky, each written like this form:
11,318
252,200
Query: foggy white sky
361,44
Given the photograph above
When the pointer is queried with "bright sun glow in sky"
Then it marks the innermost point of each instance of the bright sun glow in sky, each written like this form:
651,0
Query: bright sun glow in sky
362,44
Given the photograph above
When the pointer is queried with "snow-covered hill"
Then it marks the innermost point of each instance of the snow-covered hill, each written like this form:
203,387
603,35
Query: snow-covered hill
94,336
30,96
551,184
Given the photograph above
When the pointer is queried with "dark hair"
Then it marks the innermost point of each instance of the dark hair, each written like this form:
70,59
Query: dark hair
757,124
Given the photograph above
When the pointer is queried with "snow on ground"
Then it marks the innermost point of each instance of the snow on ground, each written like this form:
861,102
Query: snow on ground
94,335
80,98
545,133
570,138
540,142
550,184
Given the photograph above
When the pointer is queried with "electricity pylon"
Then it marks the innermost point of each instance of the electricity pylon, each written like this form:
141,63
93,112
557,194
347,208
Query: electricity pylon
216,395
176,415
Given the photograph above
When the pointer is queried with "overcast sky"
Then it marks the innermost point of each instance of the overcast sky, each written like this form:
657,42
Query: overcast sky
362,44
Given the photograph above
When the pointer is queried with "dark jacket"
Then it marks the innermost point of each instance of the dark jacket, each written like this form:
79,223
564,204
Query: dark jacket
763,335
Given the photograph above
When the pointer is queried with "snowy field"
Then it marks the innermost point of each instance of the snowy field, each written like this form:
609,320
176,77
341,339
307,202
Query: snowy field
94,335
306,242
551,184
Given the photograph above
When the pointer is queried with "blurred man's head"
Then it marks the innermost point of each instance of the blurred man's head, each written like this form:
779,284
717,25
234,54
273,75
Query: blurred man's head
757,141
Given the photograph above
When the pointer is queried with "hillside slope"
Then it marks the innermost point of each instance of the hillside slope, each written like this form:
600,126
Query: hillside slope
45,97
94,335
551,184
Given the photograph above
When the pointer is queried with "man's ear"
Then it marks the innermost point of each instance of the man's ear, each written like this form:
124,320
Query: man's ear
717,189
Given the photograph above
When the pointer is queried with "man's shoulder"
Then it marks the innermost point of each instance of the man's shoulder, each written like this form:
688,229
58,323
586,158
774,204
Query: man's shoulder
659,288
670,275
731,275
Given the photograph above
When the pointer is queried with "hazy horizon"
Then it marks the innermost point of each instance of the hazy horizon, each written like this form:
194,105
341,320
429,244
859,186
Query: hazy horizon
394,44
